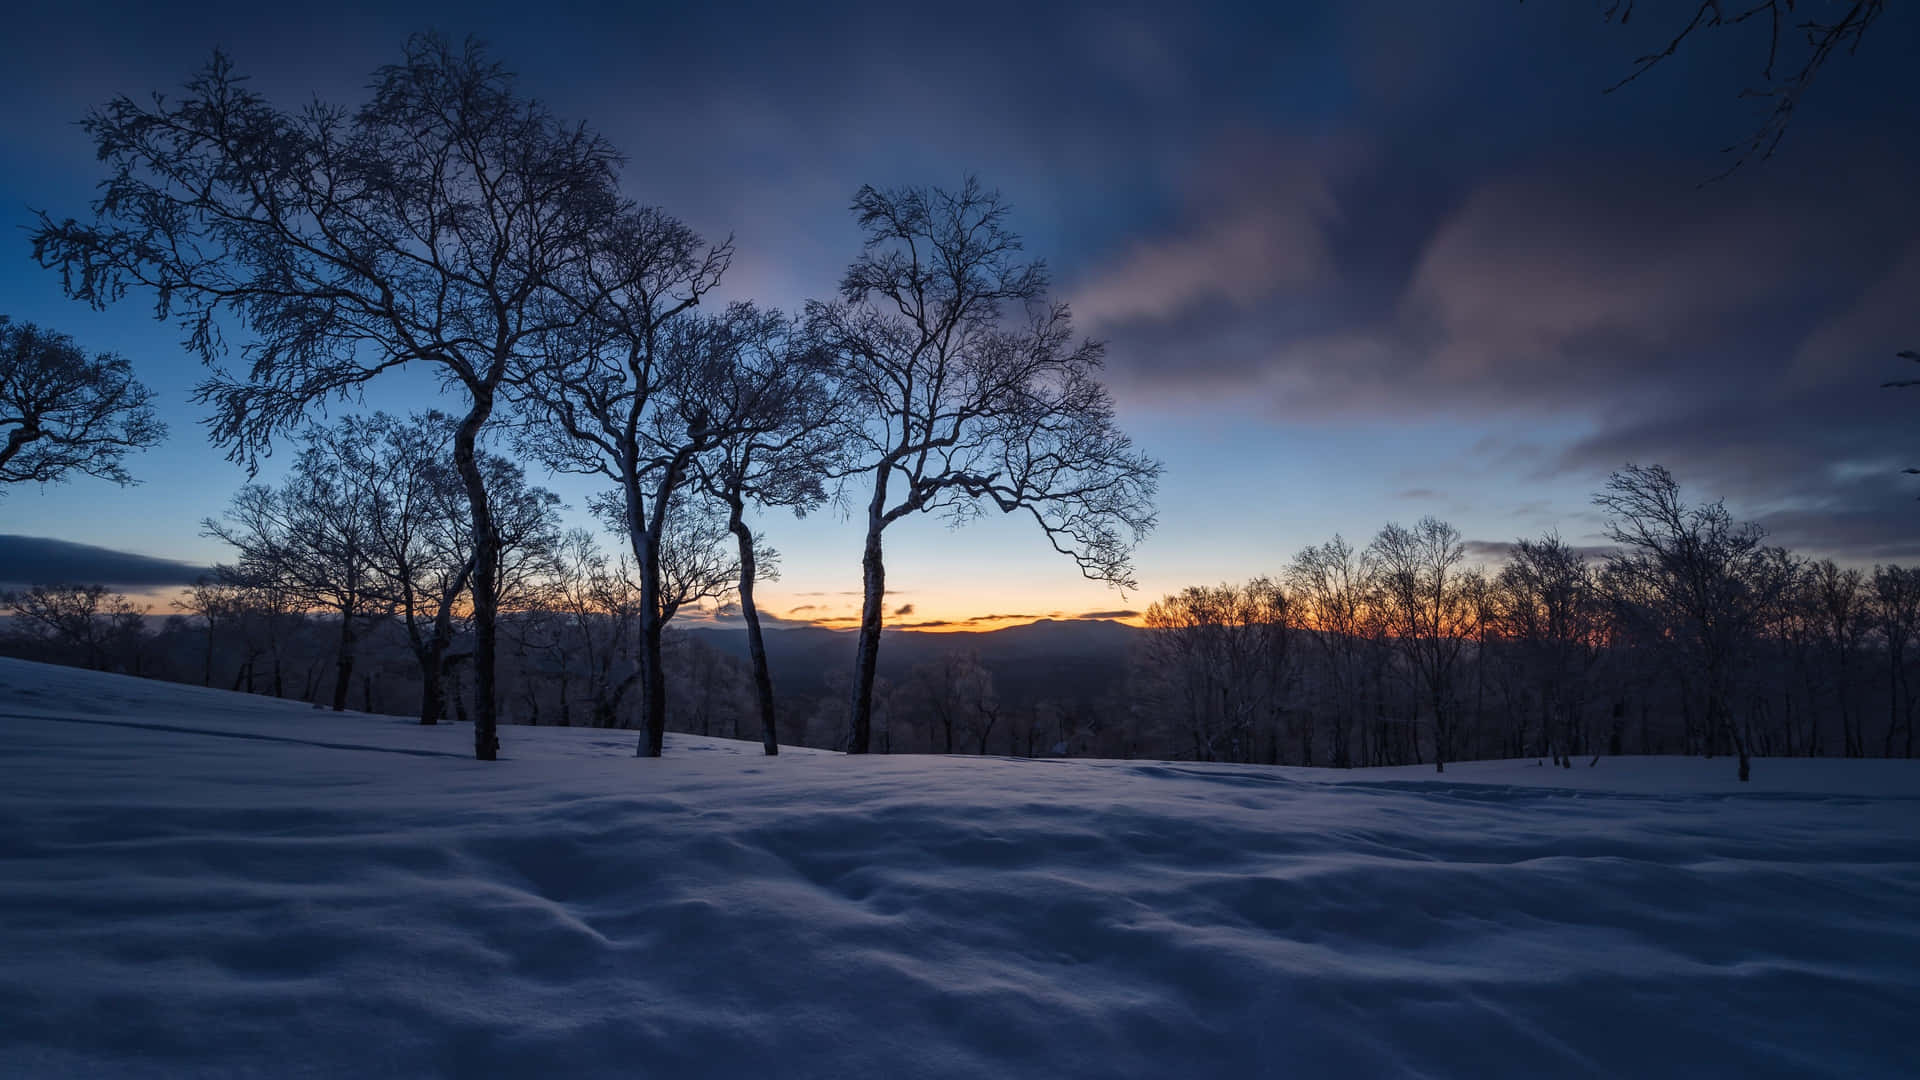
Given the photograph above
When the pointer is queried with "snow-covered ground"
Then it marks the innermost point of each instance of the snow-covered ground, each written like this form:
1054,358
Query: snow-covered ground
206,884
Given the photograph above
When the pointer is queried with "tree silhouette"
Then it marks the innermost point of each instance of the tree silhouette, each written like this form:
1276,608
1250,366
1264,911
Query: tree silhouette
425,227
87,619
783,456
1421,597
1708,579
422,540
311,539
65,412
637,391
970,392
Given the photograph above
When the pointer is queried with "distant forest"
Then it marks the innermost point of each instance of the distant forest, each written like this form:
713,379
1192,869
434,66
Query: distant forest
1687,635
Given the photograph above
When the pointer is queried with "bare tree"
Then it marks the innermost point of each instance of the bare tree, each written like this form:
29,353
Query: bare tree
602,611
1420,578
1217,658
1332,588
425,227
312,539
971,392
1895,609
1709,578
622,391
65,412
423,557
789,445
696,557
219,606
1841,603
86,619
1551,611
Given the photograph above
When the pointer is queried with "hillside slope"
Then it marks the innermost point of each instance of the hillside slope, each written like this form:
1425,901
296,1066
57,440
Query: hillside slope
199,883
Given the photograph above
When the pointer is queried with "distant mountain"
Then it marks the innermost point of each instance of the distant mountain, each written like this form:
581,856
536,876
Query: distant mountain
1074,659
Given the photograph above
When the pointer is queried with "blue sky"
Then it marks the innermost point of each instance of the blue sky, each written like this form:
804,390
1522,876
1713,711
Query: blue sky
1356,262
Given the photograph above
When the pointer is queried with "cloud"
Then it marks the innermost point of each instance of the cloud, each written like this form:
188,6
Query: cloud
1585,312
1256,224
42,560
1121,613
1417,493
902,611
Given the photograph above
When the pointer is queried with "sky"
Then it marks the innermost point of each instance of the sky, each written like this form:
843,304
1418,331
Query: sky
1355,262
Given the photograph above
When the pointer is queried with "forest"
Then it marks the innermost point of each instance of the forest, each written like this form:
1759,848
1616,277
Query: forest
1688,635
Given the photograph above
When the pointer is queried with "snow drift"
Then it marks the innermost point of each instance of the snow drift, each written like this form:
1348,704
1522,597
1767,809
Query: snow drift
209,884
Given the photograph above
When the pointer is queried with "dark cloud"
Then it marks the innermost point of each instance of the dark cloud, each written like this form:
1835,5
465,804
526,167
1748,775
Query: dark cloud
1737,334
42,560
902,611
1121,613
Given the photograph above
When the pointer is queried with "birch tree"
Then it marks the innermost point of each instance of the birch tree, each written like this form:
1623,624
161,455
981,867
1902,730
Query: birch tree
784,455
425,227
972,394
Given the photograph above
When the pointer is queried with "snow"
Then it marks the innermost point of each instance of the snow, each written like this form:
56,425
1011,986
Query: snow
207,884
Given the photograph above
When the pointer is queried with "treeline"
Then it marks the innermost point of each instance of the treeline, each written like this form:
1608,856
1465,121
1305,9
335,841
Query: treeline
453,225
1688,635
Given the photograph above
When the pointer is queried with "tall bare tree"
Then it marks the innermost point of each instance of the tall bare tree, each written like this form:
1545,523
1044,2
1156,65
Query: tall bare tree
64,412
1709,578
783,454
427,226
646,389
613,399
971,392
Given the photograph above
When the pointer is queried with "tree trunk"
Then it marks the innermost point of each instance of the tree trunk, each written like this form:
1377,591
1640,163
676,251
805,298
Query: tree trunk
756,642
433,702
343,664
486,563
866,661
645,541
653,680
